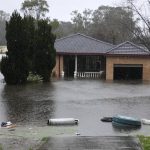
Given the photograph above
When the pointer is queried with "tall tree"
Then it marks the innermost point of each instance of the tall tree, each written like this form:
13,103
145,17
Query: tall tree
81,22
143,33
35,8
30,46
14,66
111,24
44,58
78,21
64,29
114,24
29,39
3,18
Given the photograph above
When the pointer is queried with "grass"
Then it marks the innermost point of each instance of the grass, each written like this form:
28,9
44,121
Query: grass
44,139
1,147
145,141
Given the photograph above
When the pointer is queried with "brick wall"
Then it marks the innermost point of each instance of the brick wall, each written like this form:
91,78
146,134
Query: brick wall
111,60
59,66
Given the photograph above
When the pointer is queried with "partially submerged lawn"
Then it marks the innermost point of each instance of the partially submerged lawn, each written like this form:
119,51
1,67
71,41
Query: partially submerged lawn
145,141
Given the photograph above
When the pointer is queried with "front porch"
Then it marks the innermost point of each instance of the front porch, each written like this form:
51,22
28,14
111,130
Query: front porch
83,66
89,74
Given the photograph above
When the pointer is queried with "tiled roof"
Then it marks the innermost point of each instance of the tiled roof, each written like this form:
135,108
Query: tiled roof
128,48
81,44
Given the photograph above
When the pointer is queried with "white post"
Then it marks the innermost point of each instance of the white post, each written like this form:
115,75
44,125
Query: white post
76,67
62,74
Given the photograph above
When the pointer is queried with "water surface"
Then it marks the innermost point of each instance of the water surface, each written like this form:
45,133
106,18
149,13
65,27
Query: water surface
32,105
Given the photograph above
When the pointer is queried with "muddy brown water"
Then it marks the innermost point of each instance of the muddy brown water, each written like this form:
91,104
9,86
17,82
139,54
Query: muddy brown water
32,105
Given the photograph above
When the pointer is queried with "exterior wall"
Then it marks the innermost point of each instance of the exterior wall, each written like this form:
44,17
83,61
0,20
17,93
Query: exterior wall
111,60
59,66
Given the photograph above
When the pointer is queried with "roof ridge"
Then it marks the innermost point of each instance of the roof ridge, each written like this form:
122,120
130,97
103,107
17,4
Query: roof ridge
95,39
142,48
126,43
66,37
86,37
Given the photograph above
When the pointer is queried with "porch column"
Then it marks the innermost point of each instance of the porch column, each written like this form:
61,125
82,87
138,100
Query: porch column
76,67
61,66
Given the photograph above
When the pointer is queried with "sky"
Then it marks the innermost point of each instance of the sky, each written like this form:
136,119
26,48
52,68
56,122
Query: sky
61,9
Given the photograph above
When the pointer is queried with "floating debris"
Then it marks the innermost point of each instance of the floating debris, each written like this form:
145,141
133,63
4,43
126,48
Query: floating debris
7,124
63,121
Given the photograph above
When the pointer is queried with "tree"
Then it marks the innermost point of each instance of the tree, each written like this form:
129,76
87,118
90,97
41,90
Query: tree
143,33
44,58
77,21
3,18
35,8
113,24
56,27
81,22
29,39
14,66
64,29
30,46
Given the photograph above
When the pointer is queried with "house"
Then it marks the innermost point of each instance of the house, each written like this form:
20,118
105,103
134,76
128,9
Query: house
82,56
128,61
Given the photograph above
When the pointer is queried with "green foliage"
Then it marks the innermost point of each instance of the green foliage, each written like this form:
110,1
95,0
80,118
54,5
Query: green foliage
44,60
55,24
3,17
1,148
30,46
36,8
44,139
34,78
29,39
111,24
114,24
145,141
14,66
64,29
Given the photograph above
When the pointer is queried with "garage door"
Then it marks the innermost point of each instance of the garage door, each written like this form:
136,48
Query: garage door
128,71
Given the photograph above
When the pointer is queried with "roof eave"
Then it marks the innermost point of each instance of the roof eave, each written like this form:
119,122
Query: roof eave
128,55
76,53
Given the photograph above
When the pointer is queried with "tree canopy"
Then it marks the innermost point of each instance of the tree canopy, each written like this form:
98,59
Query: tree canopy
143,33
3,18
14,66
35,8
30,45
44,60
112,24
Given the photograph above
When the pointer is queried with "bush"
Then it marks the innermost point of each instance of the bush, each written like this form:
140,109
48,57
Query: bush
145,141
34,78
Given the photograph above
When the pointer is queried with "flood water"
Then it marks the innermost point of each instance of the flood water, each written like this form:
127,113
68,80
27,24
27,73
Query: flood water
86,100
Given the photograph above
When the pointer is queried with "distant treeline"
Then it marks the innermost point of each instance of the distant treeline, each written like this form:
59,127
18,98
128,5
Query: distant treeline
3,17
110,24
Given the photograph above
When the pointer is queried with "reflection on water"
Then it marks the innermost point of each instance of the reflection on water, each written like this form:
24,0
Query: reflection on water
86,100
28,104
125,129
120,127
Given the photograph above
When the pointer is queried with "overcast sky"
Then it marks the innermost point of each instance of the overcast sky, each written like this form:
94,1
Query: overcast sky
61,9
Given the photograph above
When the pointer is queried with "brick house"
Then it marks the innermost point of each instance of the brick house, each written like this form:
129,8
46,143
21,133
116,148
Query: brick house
128,61
82,56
